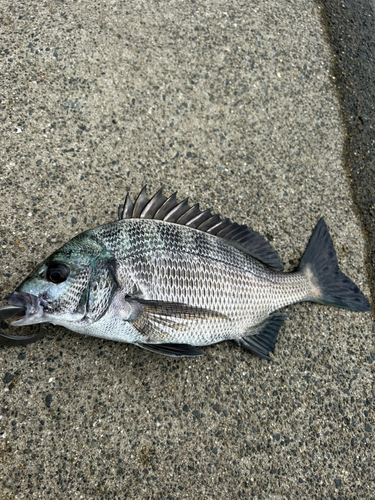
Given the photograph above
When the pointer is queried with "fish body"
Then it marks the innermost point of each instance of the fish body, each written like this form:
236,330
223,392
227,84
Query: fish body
169,277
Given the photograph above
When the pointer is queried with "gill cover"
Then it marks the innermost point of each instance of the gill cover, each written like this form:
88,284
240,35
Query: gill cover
103,285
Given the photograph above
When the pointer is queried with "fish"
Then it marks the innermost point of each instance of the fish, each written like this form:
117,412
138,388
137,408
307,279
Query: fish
170,278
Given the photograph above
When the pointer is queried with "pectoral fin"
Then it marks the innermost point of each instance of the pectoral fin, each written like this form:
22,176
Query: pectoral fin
173,350
162,321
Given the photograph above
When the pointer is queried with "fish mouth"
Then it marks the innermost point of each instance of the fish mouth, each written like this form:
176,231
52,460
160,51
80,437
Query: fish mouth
25,309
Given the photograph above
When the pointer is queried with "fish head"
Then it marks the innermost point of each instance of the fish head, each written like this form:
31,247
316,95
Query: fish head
57,291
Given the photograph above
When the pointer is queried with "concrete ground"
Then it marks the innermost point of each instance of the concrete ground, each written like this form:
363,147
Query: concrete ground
234,105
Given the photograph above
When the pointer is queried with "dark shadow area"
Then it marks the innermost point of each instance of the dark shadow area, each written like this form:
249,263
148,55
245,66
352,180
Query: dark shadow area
350,30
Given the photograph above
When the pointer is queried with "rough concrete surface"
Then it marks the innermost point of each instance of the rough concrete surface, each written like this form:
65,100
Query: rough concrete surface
232,104
350,27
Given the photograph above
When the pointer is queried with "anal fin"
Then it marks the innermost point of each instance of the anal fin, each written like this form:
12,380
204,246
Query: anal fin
173,350
263,337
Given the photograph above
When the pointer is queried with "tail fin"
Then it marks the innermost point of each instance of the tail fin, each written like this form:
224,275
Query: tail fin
331,285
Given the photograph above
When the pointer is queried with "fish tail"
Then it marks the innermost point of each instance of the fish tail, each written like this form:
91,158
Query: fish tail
328,284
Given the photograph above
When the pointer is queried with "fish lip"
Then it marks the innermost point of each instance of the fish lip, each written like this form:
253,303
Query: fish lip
34,308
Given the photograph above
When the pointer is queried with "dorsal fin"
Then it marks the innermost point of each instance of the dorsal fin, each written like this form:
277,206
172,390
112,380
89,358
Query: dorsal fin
170,210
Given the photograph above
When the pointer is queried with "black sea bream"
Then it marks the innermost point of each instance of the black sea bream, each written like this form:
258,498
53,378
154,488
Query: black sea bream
168,277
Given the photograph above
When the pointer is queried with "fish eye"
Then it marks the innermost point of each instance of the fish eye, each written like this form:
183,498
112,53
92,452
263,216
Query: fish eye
57,272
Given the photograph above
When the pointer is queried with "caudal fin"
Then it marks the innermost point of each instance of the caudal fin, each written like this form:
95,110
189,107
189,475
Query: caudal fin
329,284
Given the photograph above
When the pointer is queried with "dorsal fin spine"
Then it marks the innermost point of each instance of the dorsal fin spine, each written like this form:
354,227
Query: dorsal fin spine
140,203
199,219
218,227
153,205
177,211
206,225
127,208
166,207
188,215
